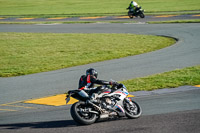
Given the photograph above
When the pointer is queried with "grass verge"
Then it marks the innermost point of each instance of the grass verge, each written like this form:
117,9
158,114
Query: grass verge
26,53
172,79
175,21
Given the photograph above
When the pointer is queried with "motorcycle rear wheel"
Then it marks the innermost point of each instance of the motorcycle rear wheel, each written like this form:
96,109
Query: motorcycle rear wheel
130,15
81,117
134,111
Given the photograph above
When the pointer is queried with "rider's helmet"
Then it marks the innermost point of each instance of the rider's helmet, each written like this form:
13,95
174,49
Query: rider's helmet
92,72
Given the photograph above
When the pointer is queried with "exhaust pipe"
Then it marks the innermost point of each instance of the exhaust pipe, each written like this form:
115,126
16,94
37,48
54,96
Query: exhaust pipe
104,116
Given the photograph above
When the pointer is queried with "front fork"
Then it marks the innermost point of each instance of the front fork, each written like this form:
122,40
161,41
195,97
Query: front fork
128,100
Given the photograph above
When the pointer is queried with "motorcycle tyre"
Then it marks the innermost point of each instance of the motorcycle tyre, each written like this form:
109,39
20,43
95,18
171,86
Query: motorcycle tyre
142,15
130,15
130,116
77,118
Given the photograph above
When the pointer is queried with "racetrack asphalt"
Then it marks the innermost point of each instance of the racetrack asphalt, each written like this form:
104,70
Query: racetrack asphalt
180,114
148,18
176,112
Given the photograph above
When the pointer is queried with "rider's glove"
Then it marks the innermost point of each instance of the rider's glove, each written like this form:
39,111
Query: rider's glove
113,83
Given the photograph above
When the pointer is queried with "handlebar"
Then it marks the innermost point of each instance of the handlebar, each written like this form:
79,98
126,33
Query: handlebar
117,86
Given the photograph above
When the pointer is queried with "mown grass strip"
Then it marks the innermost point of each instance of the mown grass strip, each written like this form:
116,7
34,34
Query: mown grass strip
172,79
26,53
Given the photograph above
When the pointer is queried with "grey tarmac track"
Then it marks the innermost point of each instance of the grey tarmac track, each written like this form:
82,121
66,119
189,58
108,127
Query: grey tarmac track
148,18
183,54
176,112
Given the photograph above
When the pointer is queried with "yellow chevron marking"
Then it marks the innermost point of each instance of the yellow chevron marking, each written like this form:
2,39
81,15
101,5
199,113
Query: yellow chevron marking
197,85
17,106
57,100
72,101
130,95
7,110
164,16
25,18
57,18
196,15
122,17
90,17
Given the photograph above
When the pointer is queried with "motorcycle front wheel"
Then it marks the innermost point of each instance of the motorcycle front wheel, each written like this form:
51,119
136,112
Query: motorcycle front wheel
133,110
80,113
142,15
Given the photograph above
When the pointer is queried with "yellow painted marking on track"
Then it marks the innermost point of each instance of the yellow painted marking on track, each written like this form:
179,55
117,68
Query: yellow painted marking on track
57,100
164,16
2,18
25,18
17,106
122,17
5,104
196,15
7,110
197,85
130,95
90,17
72,101
57,18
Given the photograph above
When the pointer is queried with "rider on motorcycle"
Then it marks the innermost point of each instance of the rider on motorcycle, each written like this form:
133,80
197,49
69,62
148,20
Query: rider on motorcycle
133,5
88,81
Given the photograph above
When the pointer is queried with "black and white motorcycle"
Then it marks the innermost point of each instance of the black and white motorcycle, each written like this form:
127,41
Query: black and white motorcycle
111,102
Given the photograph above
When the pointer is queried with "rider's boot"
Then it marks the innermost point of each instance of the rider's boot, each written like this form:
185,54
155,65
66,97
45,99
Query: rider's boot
93,98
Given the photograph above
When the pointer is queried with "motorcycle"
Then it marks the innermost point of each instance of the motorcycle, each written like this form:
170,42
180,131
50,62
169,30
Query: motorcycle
139,12
110,102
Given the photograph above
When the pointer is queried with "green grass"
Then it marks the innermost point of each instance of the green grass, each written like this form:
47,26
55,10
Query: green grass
26,53
176,21
172,79
170,5
52,8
